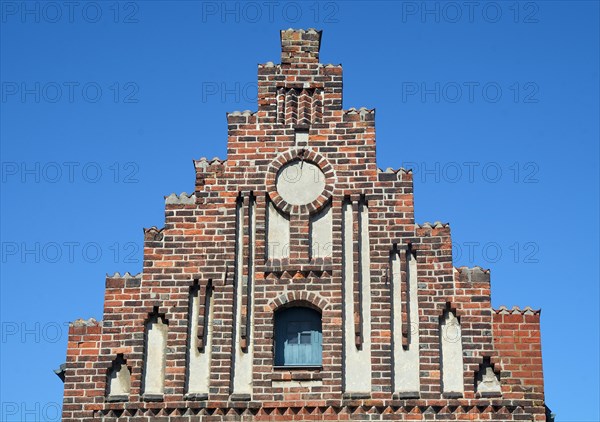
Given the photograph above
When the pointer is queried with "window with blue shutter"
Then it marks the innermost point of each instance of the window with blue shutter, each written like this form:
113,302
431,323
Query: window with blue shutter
298,337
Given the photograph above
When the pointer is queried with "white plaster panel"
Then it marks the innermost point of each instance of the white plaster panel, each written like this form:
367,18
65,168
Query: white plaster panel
357,363
488,381
301,138
278,234
452,357
297,384
199,362
321,233
156,345
406,361
119,381
243,361
300,182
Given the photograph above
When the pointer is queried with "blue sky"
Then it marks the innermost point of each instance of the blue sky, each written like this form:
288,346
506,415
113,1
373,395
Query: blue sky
105,104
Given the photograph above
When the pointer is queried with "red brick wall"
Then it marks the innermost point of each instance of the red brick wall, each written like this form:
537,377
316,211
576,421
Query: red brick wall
197,244
82,379
517,341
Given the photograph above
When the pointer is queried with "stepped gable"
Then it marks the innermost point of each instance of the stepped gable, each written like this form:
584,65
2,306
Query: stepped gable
293,283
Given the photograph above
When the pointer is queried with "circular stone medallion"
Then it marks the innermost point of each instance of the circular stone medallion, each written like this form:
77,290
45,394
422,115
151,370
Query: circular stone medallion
300,182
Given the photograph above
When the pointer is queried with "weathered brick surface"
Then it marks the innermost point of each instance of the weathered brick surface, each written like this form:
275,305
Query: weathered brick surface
198,244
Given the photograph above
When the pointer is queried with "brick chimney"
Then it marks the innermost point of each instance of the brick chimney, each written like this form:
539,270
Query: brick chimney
300,46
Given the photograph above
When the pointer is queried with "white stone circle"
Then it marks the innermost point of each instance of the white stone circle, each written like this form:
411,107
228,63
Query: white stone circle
300,182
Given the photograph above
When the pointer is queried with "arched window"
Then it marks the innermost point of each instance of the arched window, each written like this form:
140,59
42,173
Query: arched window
298,337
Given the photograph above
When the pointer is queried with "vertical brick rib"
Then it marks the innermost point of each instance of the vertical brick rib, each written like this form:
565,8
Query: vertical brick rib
304,108
281,105
247,301
356,263
199,291
291,106
404,296
204,293
243,323
238,275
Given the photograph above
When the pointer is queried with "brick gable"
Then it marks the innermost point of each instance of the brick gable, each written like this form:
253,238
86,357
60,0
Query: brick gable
405,335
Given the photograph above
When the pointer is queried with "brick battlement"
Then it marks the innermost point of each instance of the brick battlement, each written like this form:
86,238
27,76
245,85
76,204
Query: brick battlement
472,275
203,163
182,198
90,322
124,276
436,225
300,47
293,283
153,234
515,310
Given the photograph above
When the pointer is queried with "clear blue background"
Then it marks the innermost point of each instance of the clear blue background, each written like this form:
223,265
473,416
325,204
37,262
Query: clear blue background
543,220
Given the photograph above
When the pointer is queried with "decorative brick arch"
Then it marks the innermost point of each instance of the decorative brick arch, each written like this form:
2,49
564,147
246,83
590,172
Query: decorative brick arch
301,297
300,154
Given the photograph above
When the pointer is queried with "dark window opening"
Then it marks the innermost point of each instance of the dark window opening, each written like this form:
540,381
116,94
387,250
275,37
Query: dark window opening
298,337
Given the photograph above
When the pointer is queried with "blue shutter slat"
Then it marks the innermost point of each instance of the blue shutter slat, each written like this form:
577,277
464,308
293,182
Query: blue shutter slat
316,347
